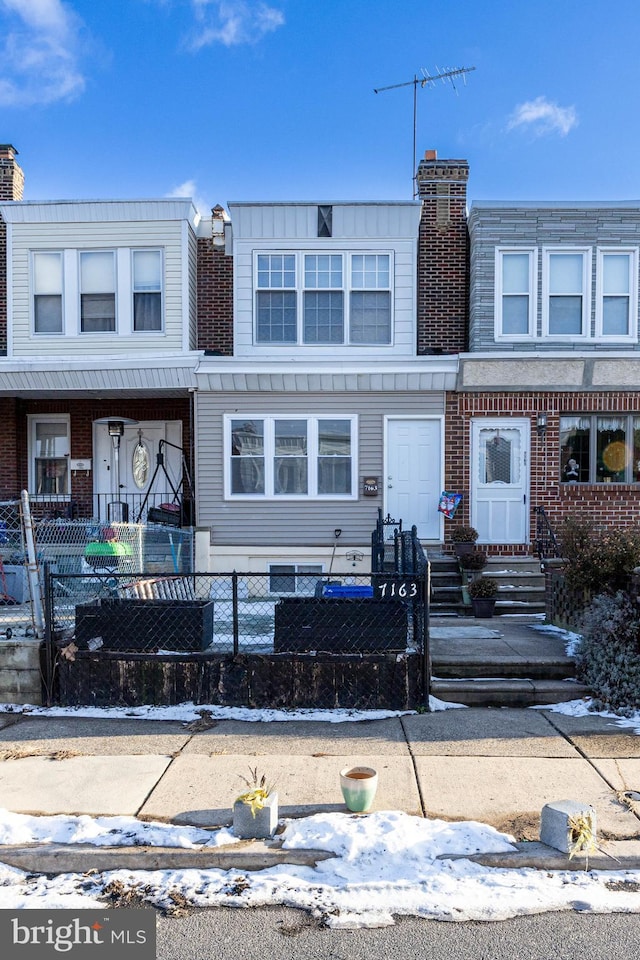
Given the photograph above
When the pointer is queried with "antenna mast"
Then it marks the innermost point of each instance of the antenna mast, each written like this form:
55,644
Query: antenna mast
423,81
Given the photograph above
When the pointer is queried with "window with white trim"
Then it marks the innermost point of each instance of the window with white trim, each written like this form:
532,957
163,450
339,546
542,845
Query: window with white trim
566,304
600,448
97,291
616,293
47,292
291,457
147,290
515,293
323,298
49,449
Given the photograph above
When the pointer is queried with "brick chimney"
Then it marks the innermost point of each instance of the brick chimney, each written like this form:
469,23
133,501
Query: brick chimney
443,255
11,187
11,175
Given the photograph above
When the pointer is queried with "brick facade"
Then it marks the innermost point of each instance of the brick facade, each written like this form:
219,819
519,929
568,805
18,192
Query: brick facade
609,504
11,188
14,433
215,298
443,255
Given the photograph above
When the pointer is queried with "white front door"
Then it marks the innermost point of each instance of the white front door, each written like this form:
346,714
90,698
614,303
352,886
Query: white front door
413,476
500,480
133,473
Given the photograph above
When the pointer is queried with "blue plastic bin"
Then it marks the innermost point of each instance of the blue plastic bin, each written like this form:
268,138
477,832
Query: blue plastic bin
347,591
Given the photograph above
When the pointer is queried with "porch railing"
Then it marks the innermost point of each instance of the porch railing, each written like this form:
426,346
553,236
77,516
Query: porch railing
155,507
547,545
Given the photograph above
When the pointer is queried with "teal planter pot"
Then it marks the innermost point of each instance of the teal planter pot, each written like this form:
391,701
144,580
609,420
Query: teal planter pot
358,785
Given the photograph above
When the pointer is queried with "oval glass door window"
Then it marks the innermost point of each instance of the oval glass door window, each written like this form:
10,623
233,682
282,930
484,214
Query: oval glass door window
140,463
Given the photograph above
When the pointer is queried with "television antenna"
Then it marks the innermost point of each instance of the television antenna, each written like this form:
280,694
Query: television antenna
446,76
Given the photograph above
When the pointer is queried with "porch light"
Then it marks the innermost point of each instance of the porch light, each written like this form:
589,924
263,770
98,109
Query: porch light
541,425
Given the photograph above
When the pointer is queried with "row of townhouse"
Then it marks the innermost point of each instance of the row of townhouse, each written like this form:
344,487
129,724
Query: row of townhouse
288,369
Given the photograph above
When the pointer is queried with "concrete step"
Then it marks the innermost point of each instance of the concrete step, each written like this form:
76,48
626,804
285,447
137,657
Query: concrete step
507,692
498,667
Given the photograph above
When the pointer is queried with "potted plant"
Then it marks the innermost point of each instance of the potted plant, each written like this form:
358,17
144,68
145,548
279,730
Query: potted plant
472,563
255,812
463,539
483,593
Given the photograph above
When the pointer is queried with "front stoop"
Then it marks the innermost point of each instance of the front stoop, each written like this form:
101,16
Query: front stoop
507,691
521,587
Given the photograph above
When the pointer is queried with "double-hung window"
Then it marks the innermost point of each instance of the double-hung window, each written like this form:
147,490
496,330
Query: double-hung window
616,293
370,299
49,442
323,298
47,292
515,293
566,293
147,290
97,292
276,299
287,457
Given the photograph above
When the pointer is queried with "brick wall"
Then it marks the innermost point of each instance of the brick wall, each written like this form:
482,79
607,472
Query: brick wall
11,188
443,255
603,503
215,298
14,433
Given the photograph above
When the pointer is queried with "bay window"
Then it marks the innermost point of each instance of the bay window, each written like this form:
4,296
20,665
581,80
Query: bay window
293,456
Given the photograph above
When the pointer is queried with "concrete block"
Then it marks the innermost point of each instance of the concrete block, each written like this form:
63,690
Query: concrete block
260,824
557,824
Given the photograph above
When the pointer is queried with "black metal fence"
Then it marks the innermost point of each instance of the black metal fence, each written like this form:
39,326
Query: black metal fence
294,639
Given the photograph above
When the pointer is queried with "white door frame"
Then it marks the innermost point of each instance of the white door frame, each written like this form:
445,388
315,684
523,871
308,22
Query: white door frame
523,424
412,416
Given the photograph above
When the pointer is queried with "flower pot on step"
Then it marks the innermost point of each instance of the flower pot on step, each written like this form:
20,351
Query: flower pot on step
483,607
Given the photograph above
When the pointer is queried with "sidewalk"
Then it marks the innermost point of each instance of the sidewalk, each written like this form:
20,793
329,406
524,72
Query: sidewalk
498,767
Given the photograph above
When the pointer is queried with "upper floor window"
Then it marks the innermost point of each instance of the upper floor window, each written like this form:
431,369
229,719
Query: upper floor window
97,292
616,293
323,298
515,293
291,456
47,292
147,290
600,448
566,293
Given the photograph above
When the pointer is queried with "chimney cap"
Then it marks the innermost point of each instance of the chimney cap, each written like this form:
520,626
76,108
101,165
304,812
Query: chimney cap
7,150
431,154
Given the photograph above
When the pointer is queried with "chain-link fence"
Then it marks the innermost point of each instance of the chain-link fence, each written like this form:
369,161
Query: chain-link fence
276,619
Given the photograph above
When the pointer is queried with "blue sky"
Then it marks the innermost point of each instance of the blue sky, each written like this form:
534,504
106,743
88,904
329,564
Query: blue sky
274,99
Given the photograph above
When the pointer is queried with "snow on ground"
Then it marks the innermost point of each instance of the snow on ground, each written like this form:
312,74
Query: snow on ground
385,865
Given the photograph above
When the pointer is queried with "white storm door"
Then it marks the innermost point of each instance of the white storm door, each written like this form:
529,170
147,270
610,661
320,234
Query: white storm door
413,477
137,467
500,480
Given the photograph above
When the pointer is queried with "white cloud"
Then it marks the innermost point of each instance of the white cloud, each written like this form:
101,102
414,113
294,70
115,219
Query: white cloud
233,22
541,116
189,189
38,52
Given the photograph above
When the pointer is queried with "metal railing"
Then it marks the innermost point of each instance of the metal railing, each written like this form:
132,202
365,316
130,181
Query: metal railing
154,507
547,545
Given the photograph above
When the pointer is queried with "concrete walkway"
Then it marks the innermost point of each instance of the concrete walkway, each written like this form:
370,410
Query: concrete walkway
495,766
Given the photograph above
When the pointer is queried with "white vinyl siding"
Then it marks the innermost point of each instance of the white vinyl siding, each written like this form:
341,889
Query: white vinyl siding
68,240
365,230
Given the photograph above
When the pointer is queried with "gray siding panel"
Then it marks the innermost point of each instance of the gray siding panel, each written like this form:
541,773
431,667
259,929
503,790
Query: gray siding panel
297,523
